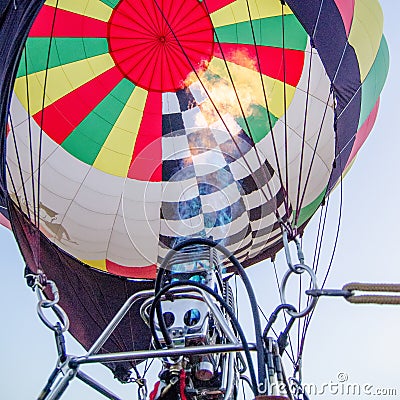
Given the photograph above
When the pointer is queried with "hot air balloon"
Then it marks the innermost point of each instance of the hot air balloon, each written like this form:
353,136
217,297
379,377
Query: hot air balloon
130,127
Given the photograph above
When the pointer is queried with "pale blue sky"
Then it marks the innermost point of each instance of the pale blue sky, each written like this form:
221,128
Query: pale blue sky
360,341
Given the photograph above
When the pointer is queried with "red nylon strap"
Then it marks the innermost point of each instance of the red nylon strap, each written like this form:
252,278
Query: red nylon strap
182,384
154,392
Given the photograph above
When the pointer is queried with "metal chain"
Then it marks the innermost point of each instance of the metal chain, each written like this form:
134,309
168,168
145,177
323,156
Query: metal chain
296,269
39,283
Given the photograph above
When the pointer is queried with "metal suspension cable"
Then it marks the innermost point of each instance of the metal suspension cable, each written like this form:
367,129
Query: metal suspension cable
317,252
130,325
309,317
285,198
13,185
291,357
275,333
336,237
19,169
147,366
319,244
35,190
30,139
296,218
317,20
312,37
333,82
267,108
300,346
285,100
43,108
241,106
315,150
320,234
338,223
299,319
207,93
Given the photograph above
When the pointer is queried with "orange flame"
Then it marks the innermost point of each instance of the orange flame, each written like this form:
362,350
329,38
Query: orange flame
223,96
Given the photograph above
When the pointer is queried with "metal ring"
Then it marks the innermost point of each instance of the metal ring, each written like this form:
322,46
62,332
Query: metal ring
61,315
314,300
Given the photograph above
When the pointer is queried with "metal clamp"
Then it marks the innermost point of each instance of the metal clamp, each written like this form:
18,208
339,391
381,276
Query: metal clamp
300,268
300,254
46,303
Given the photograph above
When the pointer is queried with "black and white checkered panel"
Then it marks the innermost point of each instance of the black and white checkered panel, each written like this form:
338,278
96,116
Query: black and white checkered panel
264,199
214,186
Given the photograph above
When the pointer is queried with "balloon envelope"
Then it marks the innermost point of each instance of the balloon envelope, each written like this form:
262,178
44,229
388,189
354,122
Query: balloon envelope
134,124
